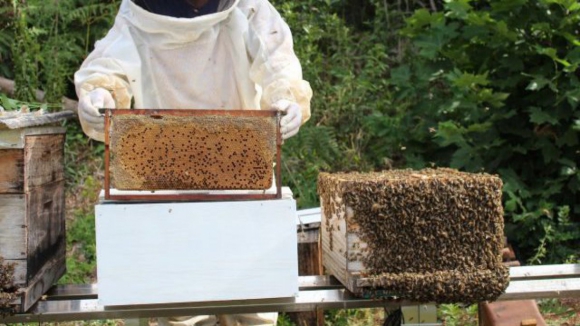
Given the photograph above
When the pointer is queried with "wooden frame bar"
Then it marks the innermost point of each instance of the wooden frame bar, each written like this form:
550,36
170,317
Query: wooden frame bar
192,197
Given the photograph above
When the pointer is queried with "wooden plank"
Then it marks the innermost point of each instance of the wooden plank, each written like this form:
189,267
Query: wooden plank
545,271
11,171
44,157
12,227
46,224
50,273
15,138
37,118
189,252
332,260
533,289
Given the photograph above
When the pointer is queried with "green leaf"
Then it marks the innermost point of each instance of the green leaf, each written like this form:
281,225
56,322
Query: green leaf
567,162
539,117
480,127
552,53
401,75
457,8
569,138
568,171
422,18
538,83
449,133
467,80
438,36
576,125
549,151
513,203
466,158
513,183
508,6
8,103
573,97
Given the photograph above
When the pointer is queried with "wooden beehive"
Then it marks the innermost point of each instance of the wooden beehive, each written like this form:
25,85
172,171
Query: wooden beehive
429,235
32,221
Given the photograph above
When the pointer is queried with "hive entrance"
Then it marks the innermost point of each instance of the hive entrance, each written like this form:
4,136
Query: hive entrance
192,149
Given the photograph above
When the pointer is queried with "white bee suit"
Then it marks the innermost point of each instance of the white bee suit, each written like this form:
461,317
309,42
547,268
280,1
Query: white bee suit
241,57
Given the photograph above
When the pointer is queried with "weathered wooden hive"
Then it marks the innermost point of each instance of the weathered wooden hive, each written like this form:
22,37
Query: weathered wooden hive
183,149
32,220
428,235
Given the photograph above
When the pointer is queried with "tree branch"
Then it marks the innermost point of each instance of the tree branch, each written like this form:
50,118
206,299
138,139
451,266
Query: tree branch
7,86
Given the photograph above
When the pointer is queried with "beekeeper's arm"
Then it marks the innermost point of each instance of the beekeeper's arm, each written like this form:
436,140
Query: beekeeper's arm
101,82
277,69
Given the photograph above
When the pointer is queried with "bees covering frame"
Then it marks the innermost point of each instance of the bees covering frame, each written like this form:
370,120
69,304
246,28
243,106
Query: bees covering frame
192,150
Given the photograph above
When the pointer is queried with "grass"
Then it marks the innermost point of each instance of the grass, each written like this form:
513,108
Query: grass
84,175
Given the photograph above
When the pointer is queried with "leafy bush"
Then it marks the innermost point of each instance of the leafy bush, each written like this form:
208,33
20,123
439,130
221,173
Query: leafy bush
347,71
493,86
43,43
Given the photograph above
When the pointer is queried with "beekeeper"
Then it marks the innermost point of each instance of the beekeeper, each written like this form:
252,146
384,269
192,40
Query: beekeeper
208,54
204,54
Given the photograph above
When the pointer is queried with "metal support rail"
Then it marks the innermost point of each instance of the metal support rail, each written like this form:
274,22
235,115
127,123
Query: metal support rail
79,302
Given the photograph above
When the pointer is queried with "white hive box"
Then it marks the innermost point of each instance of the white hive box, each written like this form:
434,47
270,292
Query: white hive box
154,253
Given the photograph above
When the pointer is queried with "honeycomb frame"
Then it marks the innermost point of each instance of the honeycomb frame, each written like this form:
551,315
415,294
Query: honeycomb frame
144,164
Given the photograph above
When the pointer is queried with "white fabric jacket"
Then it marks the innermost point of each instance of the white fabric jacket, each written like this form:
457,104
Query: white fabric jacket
241,57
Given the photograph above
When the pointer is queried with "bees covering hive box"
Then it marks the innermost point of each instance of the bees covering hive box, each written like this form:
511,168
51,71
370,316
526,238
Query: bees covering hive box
192,149
429,235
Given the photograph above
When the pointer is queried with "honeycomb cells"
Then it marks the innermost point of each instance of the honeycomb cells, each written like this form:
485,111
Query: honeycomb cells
209,152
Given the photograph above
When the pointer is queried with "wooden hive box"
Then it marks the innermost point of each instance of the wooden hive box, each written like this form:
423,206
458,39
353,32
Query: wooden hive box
32,219
433,235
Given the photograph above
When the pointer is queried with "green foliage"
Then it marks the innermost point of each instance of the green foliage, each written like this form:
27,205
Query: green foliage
455,315
493,86
26,55
347,72
84,180
48,41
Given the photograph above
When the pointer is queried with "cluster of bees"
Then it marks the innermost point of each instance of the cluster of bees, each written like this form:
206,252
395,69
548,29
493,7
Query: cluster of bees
7,288
194,152
430,235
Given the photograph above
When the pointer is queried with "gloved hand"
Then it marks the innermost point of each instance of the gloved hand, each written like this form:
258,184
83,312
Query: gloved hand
89,106
292,119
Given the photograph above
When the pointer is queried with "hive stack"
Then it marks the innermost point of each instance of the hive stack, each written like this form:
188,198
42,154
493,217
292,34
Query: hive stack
429,235
32,219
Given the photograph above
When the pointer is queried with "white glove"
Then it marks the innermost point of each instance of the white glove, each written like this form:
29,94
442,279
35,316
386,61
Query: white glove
89,106
292,119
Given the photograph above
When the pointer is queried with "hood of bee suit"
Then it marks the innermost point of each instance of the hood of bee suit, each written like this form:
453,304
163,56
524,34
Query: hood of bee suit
171,32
